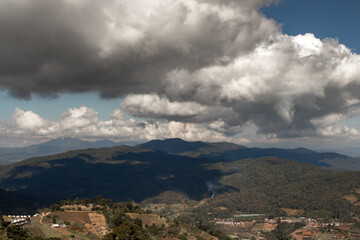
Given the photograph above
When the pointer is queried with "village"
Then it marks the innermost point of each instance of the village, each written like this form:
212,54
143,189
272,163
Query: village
20,220
68,222
254,226
81,221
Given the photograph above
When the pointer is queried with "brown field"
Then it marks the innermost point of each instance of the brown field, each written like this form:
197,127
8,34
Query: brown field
83,225
351,198
264,227
99,226
75,216
293,212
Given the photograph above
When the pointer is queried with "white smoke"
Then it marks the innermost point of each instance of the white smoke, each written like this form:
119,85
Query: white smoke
211,188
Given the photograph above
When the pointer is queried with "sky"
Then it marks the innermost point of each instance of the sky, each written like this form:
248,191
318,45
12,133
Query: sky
254,72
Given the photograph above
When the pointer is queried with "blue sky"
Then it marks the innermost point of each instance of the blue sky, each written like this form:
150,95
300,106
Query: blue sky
325,18
51,108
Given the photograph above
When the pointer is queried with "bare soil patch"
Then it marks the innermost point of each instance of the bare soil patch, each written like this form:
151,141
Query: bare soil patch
351,198
293,212
98,226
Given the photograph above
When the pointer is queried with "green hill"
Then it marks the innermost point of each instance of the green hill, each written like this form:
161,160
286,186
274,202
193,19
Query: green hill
268,184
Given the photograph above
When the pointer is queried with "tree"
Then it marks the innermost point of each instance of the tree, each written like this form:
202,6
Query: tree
3,224
54,218
101,200
55,207
16,233
1,219
138,222
126,231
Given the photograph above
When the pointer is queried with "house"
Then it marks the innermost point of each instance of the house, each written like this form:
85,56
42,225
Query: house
55,225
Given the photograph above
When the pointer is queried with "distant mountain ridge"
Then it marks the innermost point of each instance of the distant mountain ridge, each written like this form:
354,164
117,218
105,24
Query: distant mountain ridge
231,152
191,149
11,155
219,151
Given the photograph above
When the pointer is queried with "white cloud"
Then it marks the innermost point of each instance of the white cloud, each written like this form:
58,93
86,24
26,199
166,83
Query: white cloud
147,105
28,120
77,118
83,122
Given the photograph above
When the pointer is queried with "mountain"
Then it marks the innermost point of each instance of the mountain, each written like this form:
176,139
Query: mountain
13,202
121,173
191,149
263,185
11,155
231,152
268,184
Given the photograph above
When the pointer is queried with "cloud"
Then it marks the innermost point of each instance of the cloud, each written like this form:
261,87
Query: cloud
28,120
29,123
116,47
83,123
191,68
77,118
151,106
283,86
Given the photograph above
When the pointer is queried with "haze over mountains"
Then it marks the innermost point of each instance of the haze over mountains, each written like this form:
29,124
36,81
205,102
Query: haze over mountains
221,151
11,155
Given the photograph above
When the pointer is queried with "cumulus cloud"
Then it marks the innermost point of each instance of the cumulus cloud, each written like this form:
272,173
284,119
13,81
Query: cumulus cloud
27,120
78,118
284,86
83,122
29,123
188,68
153,106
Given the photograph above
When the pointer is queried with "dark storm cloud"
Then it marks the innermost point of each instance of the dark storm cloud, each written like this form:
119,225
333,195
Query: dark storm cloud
113,47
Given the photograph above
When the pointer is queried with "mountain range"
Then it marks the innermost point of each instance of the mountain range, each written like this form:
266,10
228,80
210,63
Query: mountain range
229,152
220,175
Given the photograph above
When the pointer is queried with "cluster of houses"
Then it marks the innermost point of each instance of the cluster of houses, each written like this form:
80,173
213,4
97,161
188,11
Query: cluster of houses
20,220
311,230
